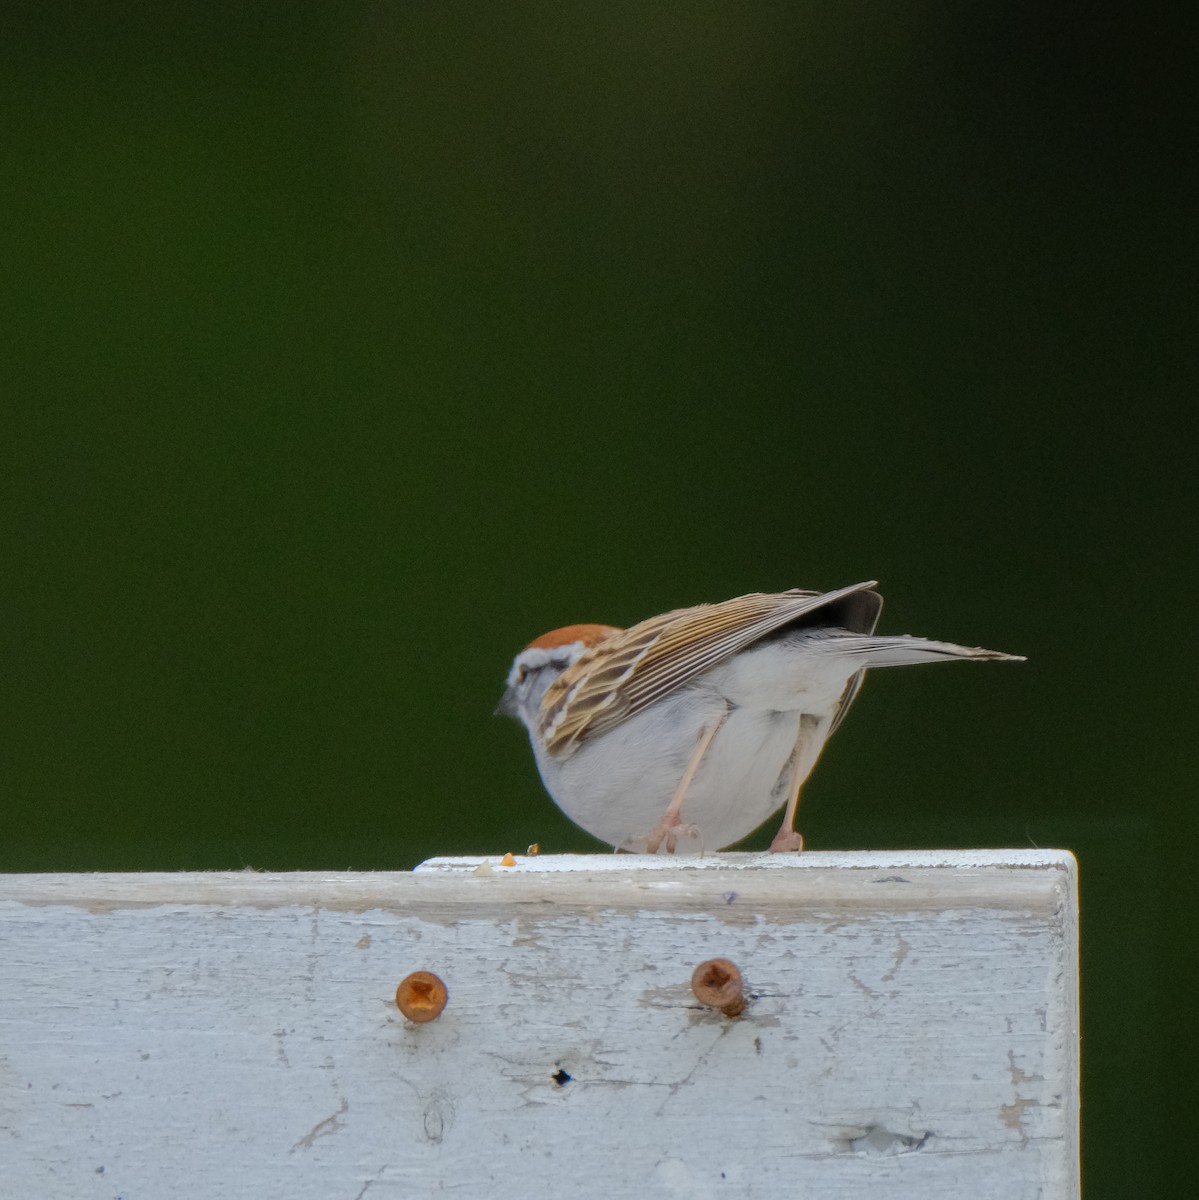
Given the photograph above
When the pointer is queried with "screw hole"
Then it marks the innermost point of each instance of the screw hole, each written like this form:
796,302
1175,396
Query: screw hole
561,1078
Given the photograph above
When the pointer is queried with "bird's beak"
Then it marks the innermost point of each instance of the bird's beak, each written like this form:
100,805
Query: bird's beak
507,705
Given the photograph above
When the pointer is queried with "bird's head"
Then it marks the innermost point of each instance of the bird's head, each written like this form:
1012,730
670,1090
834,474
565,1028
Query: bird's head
540,663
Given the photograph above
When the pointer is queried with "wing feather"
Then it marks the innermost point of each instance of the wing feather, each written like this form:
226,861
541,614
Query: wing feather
632,669
867,620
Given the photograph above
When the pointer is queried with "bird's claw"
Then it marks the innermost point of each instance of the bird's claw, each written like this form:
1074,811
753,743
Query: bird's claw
786,841
669,834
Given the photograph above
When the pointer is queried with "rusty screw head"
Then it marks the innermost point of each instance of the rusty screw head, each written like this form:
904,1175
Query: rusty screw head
717,983
421,996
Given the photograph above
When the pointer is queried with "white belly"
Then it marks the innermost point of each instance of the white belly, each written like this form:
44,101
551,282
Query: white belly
619,786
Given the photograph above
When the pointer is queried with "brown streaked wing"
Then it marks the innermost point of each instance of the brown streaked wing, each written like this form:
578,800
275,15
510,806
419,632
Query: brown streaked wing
629,671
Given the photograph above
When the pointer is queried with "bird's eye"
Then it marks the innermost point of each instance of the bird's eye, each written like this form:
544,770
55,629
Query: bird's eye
521,672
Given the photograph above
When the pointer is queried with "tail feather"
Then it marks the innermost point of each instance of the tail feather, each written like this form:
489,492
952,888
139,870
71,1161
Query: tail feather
904,651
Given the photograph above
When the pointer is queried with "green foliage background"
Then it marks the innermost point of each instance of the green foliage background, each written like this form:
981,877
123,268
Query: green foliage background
348,346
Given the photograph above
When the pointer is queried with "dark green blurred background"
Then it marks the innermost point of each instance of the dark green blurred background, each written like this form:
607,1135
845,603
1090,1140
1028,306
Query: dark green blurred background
347,347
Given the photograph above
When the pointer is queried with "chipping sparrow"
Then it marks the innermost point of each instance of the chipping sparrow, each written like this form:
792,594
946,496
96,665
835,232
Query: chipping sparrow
700,723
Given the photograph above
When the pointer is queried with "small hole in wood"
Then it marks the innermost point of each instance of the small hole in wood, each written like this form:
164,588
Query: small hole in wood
561,1078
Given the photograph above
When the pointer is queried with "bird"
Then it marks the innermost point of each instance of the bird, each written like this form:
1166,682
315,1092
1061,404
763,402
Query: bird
686,731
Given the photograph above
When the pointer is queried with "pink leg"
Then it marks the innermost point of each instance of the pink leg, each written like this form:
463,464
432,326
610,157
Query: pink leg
807,750
788,839
670,826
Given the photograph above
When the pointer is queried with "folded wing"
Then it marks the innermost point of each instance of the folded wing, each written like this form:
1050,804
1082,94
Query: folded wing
630,670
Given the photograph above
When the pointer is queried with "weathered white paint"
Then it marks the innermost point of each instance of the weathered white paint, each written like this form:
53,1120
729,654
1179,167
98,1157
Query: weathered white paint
912,1032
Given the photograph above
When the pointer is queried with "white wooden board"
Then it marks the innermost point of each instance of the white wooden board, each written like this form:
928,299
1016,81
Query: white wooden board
912,1030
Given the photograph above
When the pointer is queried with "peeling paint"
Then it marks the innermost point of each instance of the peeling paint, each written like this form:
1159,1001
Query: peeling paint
331,1124
901,952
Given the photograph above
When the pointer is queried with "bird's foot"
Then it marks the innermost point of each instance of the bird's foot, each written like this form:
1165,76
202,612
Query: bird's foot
786,841
669,832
